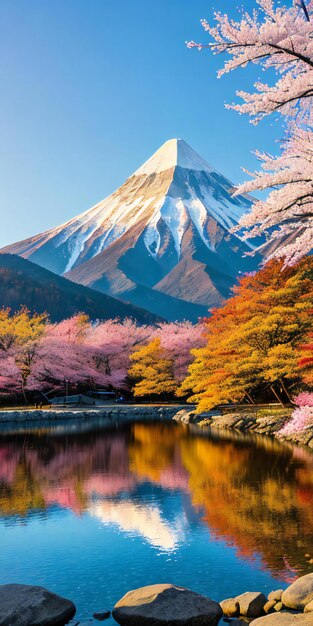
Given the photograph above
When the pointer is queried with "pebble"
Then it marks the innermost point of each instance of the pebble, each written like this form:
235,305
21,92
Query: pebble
102,615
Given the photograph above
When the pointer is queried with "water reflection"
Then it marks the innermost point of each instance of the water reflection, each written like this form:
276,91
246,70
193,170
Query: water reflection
254,493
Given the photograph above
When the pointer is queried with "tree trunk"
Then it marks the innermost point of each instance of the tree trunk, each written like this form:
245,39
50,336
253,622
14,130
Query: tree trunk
249,397
24,392
286,391
276,395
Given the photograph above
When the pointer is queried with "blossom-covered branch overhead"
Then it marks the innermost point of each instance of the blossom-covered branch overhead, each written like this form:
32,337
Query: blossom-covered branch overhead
280,40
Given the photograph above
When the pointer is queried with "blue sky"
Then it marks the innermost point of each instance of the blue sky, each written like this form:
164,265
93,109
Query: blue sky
90,88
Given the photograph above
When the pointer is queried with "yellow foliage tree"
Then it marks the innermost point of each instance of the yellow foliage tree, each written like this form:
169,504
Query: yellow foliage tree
20,335
152,370
20,328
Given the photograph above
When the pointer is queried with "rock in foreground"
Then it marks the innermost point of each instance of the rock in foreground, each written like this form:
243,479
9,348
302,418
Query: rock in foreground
251,603
24,605
166,605
299,594
230,607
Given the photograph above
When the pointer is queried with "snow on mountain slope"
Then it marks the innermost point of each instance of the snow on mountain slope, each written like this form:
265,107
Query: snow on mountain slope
174,210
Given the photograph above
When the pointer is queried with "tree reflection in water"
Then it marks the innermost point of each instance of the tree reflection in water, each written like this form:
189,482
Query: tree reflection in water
253,492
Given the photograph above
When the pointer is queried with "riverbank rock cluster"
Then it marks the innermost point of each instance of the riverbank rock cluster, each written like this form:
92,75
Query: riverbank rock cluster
164,605
280,608
263,423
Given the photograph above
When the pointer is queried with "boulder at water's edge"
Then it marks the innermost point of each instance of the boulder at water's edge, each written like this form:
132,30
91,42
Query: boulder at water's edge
166,605
24,605
251,603
299,594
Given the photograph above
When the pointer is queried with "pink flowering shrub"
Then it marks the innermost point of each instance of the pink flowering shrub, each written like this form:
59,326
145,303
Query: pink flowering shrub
302,417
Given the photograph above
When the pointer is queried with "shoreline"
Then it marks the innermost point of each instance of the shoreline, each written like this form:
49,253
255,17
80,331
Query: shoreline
168,603
252,421
110,416
244,420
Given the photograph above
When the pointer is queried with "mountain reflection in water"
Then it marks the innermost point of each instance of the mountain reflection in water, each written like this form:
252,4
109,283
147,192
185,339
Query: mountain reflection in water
254,493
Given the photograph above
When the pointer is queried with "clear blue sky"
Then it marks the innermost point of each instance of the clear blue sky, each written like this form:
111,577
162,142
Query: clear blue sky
90,88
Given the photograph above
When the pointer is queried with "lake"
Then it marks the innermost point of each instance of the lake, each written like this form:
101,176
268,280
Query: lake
93,514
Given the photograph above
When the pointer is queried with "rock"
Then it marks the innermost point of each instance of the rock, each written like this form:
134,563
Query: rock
230,607
309,607
299,594
166,605
269,606
251,603
24,605
275,595
184,415
102,615
285,619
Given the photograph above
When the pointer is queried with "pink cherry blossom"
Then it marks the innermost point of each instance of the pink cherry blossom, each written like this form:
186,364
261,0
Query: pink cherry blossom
302,416
279,39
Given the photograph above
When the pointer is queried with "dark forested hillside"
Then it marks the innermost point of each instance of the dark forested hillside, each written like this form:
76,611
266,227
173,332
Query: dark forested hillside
23,283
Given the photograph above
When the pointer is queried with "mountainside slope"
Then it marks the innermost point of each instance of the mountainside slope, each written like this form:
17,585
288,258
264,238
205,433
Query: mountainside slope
23,283
164,232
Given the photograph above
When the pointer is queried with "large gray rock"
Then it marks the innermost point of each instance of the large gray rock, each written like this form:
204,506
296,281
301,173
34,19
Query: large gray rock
299,594
285,619
24,605
166,605
251,603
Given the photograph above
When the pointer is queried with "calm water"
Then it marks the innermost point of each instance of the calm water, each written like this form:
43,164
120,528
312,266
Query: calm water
94,514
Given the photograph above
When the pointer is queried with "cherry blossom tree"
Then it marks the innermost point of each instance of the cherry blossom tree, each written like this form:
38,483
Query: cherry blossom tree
63,355
178,339
111,343
287,212
39,356
280,40
302,416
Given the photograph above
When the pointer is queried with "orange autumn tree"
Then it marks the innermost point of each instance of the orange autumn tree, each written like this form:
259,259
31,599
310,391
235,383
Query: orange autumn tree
152,369
252,340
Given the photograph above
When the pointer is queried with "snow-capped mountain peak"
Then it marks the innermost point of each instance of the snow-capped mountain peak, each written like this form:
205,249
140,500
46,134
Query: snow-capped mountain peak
173,153
165,230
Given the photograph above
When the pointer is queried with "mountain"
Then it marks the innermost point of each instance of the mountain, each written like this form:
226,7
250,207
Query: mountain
23,283
161,241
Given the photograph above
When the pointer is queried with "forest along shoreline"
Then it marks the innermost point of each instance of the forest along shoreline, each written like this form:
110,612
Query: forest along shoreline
245,419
